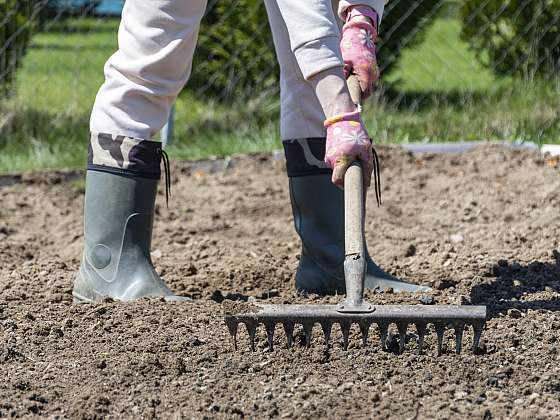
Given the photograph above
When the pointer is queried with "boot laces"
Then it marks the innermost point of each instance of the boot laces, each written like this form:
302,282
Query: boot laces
167,172
376,176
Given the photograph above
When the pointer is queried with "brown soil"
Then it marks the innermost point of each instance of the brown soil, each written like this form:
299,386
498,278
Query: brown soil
480,228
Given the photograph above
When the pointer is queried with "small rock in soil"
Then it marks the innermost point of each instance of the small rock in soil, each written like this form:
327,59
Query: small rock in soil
194,342
267,294
445,284
410,251
427,300
191,270
457,238
515,313
156,254
57,332
217,296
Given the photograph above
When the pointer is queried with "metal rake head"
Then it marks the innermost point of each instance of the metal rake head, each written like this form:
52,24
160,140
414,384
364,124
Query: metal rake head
441,316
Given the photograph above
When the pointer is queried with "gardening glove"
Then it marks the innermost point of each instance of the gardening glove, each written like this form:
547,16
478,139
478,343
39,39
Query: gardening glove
347,141
359,35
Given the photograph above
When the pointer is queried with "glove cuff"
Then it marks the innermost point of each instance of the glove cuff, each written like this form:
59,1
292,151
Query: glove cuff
363,11
349,116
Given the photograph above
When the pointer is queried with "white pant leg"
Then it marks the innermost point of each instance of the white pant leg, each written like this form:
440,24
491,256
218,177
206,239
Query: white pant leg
301,115
157,39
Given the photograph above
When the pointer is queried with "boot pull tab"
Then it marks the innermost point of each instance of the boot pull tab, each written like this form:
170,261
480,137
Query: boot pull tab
167,171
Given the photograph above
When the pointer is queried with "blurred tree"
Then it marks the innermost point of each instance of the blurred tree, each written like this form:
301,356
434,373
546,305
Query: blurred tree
59,9
404,25
235,56
16,26
514,37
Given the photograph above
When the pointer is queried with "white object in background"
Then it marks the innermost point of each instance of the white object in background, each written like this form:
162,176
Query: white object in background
463,146
552,149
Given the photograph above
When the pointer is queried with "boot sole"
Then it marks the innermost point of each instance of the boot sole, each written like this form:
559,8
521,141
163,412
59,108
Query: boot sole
76,298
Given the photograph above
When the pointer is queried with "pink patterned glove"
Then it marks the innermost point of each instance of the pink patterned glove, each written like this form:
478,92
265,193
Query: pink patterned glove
358,47
347,141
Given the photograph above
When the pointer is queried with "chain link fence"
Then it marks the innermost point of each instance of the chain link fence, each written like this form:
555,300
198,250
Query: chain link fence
434,55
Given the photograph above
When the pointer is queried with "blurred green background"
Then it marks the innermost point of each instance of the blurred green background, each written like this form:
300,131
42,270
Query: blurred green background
437,89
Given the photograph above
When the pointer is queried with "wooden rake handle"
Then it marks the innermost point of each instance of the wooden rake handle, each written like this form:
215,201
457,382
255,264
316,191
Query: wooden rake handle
354,216
355,89
354,191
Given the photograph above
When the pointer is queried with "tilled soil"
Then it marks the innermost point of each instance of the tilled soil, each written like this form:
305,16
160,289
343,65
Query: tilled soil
482,228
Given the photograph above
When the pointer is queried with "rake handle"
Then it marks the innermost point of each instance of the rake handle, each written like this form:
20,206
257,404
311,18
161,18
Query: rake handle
354,202
354,210
354,89
354,216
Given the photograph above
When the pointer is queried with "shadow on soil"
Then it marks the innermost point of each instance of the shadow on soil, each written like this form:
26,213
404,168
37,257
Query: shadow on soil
513,281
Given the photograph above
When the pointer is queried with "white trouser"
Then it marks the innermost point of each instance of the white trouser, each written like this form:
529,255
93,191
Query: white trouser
157,39
301,114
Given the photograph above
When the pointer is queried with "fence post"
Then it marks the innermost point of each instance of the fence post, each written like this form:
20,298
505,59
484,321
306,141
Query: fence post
167,130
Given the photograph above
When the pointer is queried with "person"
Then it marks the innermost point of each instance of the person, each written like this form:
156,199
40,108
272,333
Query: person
321,129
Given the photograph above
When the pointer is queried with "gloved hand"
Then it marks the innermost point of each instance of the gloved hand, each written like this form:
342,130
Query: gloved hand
359,35
347,141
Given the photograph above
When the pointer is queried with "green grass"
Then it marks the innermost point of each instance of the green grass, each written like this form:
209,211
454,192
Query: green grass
46,124
442,63
438,93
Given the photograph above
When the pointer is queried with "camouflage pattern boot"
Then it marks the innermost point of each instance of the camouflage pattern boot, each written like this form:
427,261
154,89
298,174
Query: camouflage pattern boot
318,209
121,186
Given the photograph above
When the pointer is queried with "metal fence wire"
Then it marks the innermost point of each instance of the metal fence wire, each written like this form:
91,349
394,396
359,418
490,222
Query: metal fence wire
429,50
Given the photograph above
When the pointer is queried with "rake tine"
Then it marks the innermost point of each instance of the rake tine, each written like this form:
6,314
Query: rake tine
459,329
326,326
401,327
345,327
440,330
421,329
270,326
383,329
364,329
308,330
252,330
289,330
477,327
232,325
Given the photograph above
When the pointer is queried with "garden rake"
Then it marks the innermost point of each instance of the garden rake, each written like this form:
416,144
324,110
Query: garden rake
355,309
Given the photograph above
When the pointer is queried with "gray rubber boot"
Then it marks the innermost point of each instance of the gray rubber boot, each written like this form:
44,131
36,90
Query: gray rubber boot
116,262
318,208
